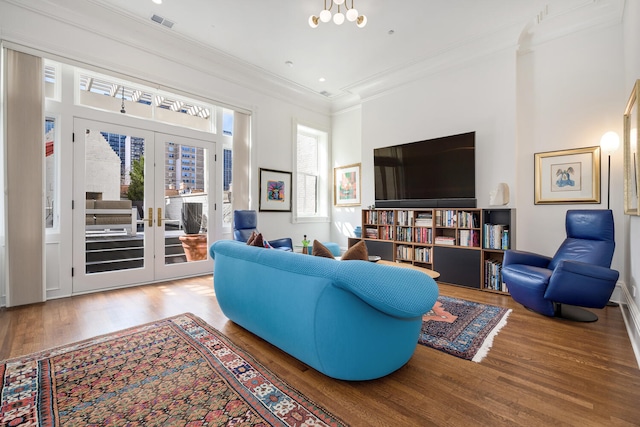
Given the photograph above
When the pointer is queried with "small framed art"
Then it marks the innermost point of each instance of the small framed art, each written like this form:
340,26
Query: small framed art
346,185
631,170
275,191
568,176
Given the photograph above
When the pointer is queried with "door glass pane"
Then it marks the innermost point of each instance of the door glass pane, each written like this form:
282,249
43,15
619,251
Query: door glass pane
51,172
114,194
185,203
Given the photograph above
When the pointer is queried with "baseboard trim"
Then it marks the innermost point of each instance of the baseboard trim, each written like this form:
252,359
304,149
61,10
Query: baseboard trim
631,316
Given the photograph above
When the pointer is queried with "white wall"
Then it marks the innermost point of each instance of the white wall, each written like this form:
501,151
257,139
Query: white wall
631,45
570,93
346,149
478,96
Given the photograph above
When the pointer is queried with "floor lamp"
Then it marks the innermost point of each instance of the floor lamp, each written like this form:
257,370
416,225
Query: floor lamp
609,143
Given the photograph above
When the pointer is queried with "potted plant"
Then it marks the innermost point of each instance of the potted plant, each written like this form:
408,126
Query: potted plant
194,242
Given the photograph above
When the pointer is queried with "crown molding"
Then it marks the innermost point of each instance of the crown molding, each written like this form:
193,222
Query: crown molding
119,28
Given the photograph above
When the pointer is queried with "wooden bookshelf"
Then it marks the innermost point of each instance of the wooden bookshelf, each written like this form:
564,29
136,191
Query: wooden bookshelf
466,246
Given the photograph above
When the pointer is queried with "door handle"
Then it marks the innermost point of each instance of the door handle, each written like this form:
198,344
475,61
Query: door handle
160,217
150,218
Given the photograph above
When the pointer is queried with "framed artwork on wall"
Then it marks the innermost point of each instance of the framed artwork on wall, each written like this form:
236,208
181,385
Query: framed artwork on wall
346,185
275,191
631,172
567,176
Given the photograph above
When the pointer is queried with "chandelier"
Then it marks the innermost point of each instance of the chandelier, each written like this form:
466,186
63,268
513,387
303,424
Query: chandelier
339,17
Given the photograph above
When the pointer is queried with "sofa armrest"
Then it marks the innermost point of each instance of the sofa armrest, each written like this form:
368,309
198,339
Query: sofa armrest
396,291
526,258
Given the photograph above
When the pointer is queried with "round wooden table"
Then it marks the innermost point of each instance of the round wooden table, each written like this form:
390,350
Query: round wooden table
433,274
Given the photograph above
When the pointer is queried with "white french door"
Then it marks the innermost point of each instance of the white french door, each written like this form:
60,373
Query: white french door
135,194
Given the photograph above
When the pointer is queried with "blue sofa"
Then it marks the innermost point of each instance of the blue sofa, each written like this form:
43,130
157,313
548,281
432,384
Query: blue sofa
351,320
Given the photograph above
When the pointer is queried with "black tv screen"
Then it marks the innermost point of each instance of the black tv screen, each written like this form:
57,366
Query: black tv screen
437,172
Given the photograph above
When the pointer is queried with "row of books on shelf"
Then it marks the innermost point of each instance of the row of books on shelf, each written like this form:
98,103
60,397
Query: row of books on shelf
423,254
460,219
378,217
404,234
469,238
424,219
413,254
446,218
445,240
468,219
418,234
404,252
405,217
423,235
493,276
496,236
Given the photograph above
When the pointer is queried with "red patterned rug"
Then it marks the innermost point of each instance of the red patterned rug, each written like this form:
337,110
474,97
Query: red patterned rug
173,372
462,328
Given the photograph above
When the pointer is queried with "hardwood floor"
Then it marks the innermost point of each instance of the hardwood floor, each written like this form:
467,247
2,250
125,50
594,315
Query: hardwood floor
540,371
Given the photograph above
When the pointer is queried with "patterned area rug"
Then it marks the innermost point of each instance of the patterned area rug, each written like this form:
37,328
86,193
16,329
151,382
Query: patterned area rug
174,372
462,328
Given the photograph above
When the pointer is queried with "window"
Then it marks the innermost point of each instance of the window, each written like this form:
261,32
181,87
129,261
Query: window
51,217
312,148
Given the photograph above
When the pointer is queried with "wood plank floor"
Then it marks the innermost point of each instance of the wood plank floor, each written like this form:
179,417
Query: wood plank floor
540,371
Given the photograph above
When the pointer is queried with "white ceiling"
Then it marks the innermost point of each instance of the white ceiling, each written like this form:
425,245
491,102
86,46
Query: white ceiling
398,35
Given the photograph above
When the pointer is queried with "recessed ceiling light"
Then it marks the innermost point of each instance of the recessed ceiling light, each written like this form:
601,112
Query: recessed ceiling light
157,1
321,79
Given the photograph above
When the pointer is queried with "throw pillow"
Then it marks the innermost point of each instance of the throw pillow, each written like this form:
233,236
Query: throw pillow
356,252
258,241
318,249
251,238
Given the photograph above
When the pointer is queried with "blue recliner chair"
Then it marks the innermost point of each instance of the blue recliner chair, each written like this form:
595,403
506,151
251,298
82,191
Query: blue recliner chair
578,275
246,221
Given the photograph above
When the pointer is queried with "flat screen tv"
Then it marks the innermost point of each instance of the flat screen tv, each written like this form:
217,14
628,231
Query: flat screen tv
437,172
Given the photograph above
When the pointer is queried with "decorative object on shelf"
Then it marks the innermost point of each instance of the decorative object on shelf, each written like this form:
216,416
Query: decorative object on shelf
351,14
499,196
305,245
275,191
609,143
568,176
357,231
346,185
631,172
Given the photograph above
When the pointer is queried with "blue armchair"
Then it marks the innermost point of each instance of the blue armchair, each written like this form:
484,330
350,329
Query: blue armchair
579,273
246,221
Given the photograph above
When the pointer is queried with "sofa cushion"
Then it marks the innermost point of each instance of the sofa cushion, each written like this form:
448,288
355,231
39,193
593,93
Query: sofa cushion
319,249
357,252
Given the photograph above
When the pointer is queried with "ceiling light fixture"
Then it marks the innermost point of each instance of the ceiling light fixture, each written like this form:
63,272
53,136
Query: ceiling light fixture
122,110
339,17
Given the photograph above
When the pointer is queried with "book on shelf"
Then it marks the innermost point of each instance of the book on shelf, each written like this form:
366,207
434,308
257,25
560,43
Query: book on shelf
496,236
404,252
422,254
445,240
371,233
493,276
424,219
469,238
405,218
